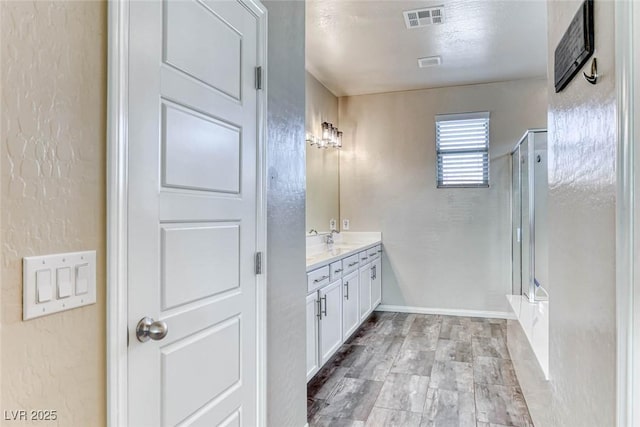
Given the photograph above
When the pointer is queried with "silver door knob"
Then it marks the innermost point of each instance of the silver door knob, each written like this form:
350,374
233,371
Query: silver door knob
149,329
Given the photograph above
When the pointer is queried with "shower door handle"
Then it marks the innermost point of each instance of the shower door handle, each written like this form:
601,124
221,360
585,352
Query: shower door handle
518,237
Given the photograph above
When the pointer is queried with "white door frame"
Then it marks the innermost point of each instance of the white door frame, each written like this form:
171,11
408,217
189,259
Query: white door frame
627,17
117,184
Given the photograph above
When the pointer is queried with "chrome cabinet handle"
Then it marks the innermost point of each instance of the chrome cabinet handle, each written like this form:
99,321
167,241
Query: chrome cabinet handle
148,329
338,270
353,263
319,309
325,305
346,285
320,279
379,251
363,258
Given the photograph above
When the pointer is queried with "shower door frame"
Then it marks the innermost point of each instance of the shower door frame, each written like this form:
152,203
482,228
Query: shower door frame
517,239
529,137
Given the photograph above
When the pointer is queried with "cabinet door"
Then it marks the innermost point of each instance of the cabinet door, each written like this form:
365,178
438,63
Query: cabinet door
365,291
312,335
376,283
350,311
330,320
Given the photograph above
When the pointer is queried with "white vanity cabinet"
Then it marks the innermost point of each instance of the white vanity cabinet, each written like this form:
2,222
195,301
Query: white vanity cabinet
350,307
342,291
330,319
313,364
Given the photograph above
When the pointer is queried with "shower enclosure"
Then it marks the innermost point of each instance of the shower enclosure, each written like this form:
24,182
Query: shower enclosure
529,188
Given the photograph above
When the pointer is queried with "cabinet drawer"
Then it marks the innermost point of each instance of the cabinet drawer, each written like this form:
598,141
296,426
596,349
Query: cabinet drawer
374,252
350,264
335,270
318,278
364,258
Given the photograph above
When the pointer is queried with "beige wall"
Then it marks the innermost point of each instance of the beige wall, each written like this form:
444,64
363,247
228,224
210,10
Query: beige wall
52,192
582,152
444,248
323,169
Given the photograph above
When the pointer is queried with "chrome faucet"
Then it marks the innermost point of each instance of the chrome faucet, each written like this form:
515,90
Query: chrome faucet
329,239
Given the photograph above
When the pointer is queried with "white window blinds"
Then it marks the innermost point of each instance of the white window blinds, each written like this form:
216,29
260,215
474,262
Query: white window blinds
462,145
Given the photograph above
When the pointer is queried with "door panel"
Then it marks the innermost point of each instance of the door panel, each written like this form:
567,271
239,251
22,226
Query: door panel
192,212
312,335
196,365
193,52
199,152
376,283
350,313
330,320
198,261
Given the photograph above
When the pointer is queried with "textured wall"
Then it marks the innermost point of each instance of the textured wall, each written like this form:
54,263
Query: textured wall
52,191
323,168
444,248
582,149
285,216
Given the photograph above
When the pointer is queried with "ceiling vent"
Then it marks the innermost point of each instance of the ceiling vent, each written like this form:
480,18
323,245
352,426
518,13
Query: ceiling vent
422,17
429,61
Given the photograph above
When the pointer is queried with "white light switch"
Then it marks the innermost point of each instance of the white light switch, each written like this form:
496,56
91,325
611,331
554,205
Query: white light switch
43,284
82,279
53,283
63,281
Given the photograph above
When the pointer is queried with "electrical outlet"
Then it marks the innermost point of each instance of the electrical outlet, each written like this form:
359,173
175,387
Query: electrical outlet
332,224
345,224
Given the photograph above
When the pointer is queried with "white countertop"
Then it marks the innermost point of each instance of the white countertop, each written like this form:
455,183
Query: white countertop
345,244
534,319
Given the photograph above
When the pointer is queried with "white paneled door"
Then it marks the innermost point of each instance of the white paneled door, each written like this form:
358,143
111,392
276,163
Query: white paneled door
193,203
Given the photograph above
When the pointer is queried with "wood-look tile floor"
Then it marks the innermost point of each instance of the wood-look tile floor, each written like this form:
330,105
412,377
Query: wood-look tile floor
420,370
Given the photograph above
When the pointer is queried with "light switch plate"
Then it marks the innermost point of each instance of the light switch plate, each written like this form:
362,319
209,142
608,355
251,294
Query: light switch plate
56,265
345,224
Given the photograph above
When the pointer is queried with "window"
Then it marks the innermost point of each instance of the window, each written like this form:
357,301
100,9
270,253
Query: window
462,145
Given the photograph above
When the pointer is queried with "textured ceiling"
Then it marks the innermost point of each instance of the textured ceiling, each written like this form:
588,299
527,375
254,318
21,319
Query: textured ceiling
358,47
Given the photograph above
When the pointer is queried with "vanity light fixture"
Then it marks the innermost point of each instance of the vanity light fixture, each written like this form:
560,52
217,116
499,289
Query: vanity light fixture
331,137
327,131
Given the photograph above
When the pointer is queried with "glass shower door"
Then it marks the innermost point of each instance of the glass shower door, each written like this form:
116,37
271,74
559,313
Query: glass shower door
529,188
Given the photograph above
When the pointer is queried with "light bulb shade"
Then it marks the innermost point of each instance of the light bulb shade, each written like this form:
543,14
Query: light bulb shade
309,138
326,132
334,136
339,140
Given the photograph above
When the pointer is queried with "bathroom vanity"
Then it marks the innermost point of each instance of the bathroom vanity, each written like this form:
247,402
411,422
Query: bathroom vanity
344,285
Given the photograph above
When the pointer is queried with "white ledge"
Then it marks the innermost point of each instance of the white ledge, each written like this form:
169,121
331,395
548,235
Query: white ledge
534,319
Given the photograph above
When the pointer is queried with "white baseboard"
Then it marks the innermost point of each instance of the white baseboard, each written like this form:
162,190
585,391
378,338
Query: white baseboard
447,311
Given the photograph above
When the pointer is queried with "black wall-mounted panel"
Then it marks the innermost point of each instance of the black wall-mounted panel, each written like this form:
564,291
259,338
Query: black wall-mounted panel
575,47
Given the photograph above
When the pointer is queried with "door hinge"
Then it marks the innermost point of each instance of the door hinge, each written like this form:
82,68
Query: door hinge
258,263
258,78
